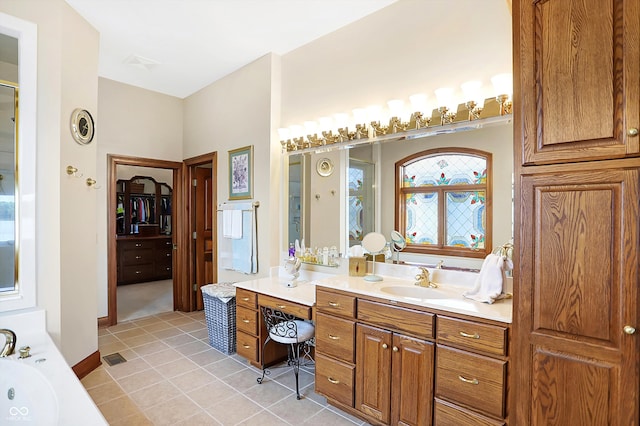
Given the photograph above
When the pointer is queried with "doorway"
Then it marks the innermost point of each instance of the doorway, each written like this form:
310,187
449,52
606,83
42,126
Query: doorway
201,205
174,238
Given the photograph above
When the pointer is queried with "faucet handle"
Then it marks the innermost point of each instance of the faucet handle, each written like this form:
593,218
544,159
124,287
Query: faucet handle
24,352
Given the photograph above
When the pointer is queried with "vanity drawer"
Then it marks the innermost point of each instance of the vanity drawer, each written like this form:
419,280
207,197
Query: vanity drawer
247,346
491,339
335,337
288,307
473,380
414,322
247,320
334,379
246,298
447,414
333,303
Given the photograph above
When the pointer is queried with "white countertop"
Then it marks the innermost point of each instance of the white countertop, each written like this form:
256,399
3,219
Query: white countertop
454,302
451,295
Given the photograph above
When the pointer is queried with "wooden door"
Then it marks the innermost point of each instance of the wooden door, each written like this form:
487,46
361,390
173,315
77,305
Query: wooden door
576,291
203,211
576,79
412,381
373,372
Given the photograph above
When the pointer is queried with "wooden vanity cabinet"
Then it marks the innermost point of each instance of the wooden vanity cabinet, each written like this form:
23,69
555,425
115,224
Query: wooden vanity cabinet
335,346
394,372
408,363
251,331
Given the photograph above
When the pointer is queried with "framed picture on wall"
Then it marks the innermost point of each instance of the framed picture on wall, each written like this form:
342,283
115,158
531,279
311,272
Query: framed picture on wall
241,173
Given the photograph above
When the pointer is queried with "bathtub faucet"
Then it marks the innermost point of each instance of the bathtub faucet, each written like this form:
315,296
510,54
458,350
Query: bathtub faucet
9,343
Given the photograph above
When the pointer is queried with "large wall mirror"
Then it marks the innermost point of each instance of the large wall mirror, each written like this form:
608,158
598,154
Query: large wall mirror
18,77
339,204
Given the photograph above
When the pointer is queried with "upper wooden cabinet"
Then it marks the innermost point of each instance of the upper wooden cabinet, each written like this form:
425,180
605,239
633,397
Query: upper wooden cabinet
576,79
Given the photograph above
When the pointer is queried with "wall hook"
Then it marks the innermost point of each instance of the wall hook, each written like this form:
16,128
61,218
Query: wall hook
73,171
91,183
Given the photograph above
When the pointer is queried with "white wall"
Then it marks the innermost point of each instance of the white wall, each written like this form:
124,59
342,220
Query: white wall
132,122
232,113
398,51
65,207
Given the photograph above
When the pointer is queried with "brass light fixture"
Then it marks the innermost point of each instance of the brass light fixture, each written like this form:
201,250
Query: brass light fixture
296,138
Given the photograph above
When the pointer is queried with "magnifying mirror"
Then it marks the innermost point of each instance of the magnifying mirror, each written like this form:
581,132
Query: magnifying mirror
399,243
374,243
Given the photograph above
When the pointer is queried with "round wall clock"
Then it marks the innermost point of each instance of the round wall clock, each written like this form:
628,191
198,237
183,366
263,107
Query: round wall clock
324,167
82,126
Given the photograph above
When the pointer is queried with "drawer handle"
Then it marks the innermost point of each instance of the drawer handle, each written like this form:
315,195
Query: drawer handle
385,346
471,336
138,272
246,321
332,337
334,304
246,299
138,257
138,244
281,306
470,381
246,346
168,254
332,380
395,349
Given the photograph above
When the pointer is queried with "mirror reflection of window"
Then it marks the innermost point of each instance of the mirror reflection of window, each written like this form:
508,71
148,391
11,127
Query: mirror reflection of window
295,199
361,179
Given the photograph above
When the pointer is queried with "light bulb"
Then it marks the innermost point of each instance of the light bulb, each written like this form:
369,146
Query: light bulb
296,130
444,96
310,127
503,84
471,91
359,115
341,120
418,102
284,133
396,107
326,123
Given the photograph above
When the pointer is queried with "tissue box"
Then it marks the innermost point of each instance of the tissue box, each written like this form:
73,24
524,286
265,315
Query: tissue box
357,266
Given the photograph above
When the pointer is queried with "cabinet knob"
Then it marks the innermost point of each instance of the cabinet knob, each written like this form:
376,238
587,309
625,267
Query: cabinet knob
632,131
385,346
629,330
395,349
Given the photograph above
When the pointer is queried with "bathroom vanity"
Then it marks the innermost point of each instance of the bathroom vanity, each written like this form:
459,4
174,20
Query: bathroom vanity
391,352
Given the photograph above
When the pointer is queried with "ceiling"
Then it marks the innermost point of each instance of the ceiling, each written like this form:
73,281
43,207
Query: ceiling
177,47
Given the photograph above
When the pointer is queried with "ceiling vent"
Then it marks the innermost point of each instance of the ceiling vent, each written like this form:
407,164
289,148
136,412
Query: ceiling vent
141,62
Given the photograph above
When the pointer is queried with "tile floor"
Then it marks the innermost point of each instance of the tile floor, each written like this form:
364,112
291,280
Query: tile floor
173,377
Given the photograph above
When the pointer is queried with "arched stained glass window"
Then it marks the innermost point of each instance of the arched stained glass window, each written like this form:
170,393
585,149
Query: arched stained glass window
443,202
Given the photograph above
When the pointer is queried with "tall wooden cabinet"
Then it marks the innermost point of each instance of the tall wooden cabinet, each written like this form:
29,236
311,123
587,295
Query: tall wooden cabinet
576,119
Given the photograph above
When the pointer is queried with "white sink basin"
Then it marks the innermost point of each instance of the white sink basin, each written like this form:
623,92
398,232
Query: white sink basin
415,292
26,396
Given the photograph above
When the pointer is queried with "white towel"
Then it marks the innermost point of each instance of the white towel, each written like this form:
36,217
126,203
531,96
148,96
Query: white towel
489,284
232,224
236,224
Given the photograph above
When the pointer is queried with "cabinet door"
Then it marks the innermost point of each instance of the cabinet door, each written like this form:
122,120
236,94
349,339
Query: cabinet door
373,372
412,378
576,79
575,361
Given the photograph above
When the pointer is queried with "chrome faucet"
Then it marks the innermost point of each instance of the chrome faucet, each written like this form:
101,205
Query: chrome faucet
9,343
423,279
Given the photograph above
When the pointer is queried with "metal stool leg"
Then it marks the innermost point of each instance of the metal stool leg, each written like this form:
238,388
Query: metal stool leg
260,379
295,347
